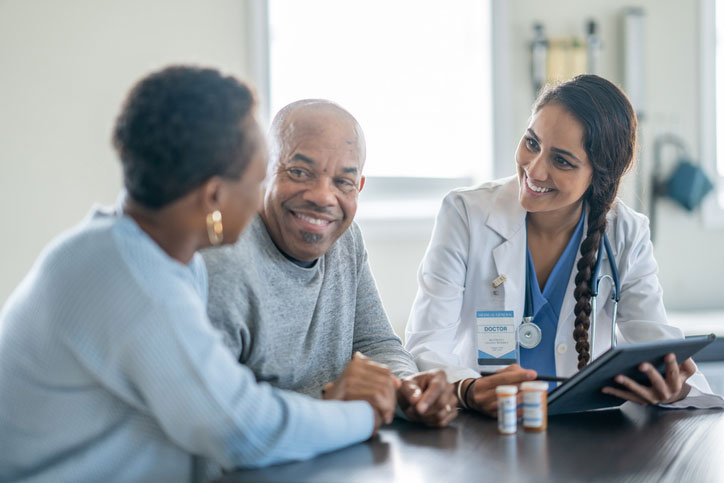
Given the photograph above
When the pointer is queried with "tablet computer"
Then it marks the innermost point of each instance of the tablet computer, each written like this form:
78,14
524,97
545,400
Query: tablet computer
582,392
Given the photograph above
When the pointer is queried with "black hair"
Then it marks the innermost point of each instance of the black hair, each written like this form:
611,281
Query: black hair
610,130
179,127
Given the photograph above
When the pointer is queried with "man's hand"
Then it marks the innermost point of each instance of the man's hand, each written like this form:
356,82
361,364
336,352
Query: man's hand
661,391
482,396
427,397
366,380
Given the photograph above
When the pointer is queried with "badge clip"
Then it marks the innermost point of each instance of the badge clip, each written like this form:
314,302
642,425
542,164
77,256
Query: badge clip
499,281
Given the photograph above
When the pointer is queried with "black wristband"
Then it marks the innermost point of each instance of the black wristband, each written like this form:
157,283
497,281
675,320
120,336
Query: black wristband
467,389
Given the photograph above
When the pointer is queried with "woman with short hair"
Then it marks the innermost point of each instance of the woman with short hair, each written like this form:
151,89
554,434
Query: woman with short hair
109,367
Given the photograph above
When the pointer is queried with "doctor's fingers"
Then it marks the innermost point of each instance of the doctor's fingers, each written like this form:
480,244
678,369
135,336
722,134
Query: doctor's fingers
665,390
512,367
512,377
687,368
672,369
628,396
654,394
675,371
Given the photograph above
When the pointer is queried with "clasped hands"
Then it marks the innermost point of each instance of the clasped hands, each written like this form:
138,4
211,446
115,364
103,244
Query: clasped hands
426,397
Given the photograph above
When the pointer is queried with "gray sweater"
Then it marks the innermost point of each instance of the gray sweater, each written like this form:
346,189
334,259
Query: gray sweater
295,327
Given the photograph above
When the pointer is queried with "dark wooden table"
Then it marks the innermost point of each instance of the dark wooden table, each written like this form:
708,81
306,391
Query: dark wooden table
628,444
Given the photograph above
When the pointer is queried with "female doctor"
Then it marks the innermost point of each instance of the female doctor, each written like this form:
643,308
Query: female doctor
529,245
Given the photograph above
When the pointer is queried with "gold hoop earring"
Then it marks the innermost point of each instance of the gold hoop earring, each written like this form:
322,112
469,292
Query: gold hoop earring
215,227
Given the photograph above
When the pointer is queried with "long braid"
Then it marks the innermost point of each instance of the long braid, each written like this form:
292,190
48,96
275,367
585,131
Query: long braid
610,129
582,292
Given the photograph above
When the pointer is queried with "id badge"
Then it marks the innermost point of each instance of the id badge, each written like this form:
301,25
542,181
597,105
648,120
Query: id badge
496,337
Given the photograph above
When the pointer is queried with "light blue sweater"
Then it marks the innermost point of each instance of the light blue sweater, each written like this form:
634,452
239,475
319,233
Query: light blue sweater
110,370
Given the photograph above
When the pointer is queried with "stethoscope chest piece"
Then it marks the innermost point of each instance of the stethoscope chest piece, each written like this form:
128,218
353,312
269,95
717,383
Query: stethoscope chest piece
529,334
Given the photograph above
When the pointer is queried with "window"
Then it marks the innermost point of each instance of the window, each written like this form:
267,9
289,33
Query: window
712,104
415,74
719,16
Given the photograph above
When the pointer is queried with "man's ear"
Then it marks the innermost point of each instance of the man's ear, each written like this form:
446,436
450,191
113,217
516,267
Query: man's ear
361,183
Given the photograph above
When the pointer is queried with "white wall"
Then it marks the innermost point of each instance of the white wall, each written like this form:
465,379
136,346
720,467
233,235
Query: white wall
65,68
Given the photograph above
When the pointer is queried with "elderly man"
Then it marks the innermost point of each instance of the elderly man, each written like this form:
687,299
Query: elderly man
295,296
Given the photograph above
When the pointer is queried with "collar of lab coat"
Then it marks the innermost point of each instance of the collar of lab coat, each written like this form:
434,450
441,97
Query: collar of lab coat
507,218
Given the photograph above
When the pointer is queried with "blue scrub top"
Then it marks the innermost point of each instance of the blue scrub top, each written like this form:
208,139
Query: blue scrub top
546,308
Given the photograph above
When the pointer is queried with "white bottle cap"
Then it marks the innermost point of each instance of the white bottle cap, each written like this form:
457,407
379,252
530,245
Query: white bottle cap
534,386
506,390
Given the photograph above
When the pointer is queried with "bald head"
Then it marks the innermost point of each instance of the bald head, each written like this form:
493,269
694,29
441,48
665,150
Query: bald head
317,152
313,117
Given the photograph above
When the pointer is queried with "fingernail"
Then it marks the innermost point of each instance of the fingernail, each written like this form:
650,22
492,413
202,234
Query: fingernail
644,367
619,379
422,407
417,392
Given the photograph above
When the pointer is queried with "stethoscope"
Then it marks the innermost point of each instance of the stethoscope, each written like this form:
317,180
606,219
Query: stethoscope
530,334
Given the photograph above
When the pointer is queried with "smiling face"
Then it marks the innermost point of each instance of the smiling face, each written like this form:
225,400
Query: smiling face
554,171
312,194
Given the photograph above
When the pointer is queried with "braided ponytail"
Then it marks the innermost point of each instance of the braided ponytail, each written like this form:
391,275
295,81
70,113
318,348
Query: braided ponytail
582,291
610,126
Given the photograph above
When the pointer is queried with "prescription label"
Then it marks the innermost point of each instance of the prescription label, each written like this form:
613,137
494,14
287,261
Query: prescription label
507,414
495,337
533,409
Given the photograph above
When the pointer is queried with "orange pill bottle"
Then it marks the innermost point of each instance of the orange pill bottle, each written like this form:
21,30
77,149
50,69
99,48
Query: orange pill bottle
535,405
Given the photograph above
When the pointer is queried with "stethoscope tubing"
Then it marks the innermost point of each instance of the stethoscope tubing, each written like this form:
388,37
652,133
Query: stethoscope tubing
595,284
596,278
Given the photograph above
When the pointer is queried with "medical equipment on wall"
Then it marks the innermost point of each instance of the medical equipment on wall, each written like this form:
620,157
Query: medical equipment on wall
687,184
593,48
555,59
633,20
539,54
633,67
530,334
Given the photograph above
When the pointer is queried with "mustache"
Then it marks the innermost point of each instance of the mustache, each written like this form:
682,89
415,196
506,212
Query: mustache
312,206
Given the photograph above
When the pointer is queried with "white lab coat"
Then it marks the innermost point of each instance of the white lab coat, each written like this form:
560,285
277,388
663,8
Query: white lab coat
479,235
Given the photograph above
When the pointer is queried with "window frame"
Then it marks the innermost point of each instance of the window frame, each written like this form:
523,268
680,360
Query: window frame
427,190
712,209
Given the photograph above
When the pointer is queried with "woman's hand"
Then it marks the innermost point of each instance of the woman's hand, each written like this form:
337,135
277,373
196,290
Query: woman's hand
366,380
482,396
662,391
